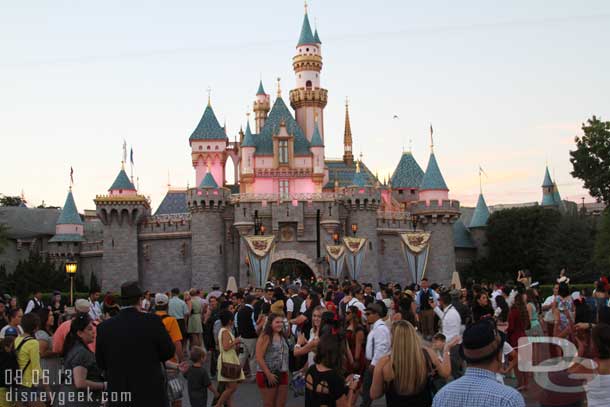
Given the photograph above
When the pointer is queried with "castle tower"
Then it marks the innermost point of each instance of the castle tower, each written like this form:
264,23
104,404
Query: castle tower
262,105
348,157
246,162
406,179
207,204
362,201
208,147
120,212
308,98
548,190
436,214
317,149
69,230
478,226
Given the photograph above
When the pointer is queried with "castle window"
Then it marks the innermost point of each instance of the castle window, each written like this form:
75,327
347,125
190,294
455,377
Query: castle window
209,147
307,49
400,192
284,190
283,151
216,148
201,147
412,192
308,84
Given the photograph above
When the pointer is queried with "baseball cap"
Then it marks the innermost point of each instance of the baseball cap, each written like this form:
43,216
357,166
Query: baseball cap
82,305
11,331
161,299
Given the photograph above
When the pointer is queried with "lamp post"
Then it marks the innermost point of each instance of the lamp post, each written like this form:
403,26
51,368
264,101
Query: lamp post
262,229
354,228
336,237
71,268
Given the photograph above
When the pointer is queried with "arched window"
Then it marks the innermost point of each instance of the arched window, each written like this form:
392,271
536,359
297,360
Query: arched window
308,84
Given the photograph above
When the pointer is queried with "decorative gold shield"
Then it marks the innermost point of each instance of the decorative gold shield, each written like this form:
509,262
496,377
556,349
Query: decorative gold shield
416,242
260,245
354,244
335,251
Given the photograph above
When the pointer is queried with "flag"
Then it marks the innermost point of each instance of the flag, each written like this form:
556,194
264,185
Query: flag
124,151
71,175
131,156
431,130
482,172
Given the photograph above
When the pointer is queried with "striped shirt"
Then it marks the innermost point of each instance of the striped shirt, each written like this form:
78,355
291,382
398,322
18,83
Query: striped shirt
477,388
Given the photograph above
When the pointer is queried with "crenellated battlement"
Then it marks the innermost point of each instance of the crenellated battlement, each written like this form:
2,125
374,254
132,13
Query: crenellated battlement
207,199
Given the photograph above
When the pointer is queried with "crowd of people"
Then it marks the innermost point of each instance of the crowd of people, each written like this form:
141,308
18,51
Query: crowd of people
337,343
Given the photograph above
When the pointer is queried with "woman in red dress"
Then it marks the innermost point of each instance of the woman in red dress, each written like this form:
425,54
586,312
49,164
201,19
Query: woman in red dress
355,334
518,323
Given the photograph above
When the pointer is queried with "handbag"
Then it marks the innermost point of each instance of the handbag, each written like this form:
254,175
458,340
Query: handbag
231,371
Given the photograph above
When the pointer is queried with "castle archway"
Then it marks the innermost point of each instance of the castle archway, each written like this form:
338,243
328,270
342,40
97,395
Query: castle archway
293,263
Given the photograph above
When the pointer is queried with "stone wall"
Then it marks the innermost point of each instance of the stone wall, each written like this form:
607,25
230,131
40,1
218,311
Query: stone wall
165,263
441,258
479,236
120,259
208,248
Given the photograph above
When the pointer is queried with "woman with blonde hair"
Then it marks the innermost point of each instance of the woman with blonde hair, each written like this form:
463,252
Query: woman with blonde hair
406,372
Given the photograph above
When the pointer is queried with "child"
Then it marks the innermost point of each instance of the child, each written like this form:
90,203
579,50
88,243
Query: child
438,344
198,379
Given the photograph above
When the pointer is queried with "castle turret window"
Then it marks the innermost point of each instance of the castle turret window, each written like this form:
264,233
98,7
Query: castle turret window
283,151
308,84
284,190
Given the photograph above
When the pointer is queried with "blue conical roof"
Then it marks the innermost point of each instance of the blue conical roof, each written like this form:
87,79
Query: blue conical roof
316,138
556,195
408,173
261,90
461,236
360,178
122,182
306,34
208,181
547,199
433,179
547,179
316,37
480,215
208,127
280,114
248,140
69,214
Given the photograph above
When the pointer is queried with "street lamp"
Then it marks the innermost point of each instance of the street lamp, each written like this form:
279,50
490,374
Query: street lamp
71,268
354,228
262,229
336,237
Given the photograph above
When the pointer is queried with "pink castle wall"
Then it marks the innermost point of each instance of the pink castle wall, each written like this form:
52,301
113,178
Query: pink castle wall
433,195
123,192
69,230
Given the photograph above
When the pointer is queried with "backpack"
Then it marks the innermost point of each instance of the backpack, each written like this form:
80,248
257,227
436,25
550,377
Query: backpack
15,377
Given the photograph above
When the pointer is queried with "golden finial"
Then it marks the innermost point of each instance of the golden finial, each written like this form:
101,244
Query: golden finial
305,6
209,90
357,166
279,89
315,116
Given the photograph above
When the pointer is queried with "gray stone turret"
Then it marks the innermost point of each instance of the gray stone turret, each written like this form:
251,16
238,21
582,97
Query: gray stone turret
207,205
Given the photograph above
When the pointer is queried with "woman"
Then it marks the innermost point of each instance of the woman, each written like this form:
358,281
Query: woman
328,302
272,354
306,346
563,311
49,360
325,384
404,374
87,378
57,308
110,308
12,304
501,314
145,304
228,354
533,312
597,389
481,307
304,321
407,310
195,326
355,335
518,323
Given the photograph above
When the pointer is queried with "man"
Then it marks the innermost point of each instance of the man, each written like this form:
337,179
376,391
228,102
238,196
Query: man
266,298
378,344
173,330
81,306
246,329
131,348
95,312
425,308
450,327
215,292
549,319
351,298
369,295
294,302
14,320
482,350
178,309
35,303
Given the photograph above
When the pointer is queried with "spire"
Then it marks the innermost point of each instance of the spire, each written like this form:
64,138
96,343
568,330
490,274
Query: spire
69,214
316,138
208,181
122,182
279,88
480,215
248,138
547,183
316,37
306,34
261,90
360,178
347,137
433,179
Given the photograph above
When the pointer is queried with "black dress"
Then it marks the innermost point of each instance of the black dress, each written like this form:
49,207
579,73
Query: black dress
323,388
423,398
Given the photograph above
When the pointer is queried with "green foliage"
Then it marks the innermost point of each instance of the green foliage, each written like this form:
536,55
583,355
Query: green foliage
10,200
3,236
37,273
540,240
591,159
602,244
547,289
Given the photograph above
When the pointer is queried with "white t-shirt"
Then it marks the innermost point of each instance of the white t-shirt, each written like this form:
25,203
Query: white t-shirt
3,331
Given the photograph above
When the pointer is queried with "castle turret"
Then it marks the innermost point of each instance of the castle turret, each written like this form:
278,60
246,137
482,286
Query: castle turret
308,98
548,190
406,179
208,147
317,149
348,157
262,105
478,226
433,186
69,231
246,162
120,212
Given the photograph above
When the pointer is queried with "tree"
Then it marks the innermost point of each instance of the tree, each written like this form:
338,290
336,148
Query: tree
35,273
10,200
602,244
591,159
3,236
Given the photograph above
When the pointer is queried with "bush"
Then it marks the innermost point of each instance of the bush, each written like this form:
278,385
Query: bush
547,289
47,298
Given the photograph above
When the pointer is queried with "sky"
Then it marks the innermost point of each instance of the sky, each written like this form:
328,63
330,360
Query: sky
505,85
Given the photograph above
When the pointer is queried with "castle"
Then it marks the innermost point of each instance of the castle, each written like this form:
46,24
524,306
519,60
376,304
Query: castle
285,188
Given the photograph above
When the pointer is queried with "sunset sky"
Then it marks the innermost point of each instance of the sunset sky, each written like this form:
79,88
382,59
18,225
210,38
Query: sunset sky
506,85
